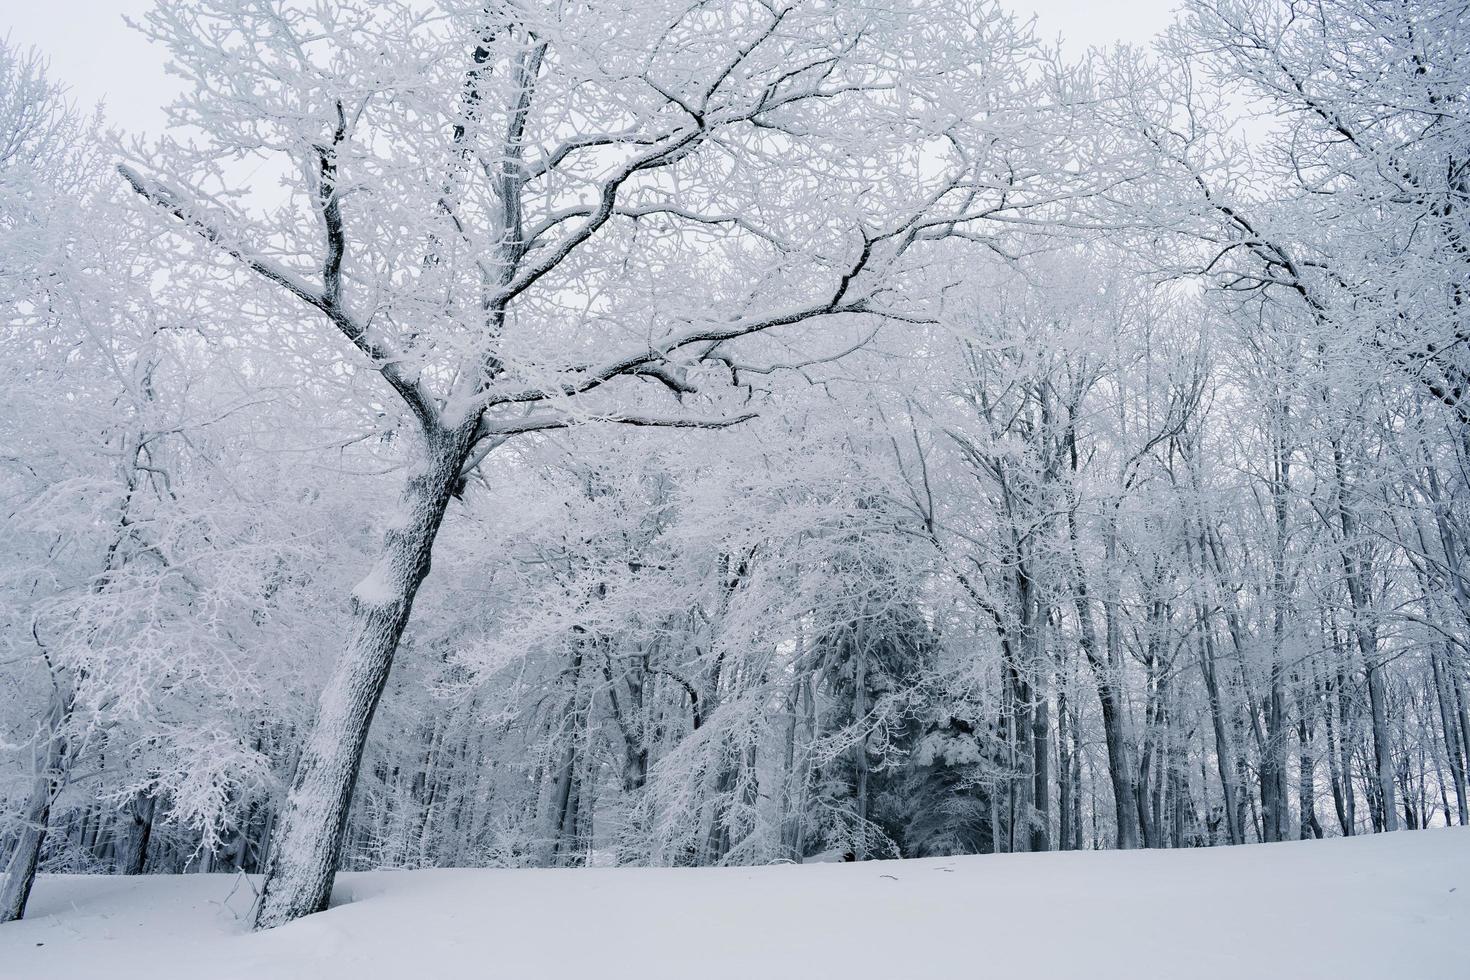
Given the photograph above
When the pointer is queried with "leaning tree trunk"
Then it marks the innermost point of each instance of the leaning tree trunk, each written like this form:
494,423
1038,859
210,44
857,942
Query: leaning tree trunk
53,743
308,841
20,871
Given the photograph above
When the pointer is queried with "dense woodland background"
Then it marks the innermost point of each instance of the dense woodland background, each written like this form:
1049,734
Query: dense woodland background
856,429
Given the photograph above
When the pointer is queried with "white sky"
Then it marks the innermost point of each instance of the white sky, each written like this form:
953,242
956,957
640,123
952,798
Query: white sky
100,59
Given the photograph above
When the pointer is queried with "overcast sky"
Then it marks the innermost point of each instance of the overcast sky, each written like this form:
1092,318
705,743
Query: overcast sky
99,58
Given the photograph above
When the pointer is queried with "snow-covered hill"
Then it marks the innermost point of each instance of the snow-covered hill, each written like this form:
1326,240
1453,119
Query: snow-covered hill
1393,906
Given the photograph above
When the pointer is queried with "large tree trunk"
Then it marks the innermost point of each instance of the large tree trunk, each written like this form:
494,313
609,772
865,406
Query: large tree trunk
308,842
51,760
143,809
557,823
1273,761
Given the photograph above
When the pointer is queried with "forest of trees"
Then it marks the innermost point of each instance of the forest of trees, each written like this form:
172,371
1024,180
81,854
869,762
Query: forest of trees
836,428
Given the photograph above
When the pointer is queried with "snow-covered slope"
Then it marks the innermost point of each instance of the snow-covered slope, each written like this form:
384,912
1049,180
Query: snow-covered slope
1381,907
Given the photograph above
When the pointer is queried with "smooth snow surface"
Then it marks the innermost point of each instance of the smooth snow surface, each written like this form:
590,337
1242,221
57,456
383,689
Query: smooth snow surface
1393,906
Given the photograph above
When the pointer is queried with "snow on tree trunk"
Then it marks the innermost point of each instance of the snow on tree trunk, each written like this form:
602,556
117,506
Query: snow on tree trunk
1382,746
20,871
308,842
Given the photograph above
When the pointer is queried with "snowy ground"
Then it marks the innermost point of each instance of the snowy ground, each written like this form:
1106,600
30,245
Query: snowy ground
1382,907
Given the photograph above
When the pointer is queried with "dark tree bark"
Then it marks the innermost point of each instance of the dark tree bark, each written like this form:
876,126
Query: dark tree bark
142,823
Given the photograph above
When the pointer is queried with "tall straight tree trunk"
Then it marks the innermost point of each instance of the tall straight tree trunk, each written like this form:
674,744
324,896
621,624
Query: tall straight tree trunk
1181,811
1227,763
1382,750
1075,778
1068,829
1462,708
1377,712
1148,750
143,809
1307,771
1254,714
1274,814
1345,756
1225,760
1453,701
860,749
1041,781
1031,830
1153,764
1108,675
1120,763
1273,761
787,810
1448,725
1357,579
1341,787
560,815
1040,745
308,845
1250,723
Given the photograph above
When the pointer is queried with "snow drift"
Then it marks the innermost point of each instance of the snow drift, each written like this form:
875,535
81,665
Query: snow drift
1394,905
